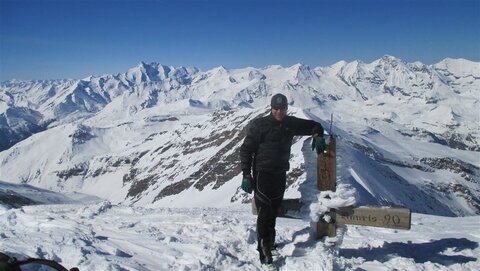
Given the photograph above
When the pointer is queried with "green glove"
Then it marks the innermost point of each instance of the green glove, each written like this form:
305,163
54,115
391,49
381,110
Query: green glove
247,183
318,144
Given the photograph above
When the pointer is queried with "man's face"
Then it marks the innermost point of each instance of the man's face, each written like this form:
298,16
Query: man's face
279,112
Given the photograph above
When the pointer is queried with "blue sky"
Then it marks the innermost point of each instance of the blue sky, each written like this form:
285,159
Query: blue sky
73,39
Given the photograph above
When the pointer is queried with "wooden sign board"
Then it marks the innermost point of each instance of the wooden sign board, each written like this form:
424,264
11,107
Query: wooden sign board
384,217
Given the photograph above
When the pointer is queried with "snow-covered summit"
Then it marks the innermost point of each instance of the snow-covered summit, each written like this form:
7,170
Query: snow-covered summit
157,72
459,67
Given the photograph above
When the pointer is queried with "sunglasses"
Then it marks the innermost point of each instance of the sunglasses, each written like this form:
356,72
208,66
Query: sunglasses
283,107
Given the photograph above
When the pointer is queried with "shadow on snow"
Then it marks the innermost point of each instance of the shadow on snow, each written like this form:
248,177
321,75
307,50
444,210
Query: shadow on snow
419,252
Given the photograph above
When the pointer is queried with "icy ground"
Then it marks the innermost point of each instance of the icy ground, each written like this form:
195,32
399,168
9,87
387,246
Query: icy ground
103,236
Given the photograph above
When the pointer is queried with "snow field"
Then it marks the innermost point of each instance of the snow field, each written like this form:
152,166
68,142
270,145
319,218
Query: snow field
103,236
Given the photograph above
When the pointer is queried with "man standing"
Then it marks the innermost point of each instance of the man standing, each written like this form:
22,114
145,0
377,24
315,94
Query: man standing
265,152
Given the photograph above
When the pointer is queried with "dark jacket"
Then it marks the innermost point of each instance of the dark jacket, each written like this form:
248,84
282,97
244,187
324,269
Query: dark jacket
267,144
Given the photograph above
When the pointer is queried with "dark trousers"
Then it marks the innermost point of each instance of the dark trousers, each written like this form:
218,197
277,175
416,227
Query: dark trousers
269,189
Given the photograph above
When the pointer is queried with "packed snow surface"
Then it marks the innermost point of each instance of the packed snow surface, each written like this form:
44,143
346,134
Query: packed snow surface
104,236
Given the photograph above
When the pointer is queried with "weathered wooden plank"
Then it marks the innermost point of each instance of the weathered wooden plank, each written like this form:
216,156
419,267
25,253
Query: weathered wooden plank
288,209
327,181
385,217
327,167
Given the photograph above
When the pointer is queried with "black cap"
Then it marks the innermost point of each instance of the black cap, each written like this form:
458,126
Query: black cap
279,101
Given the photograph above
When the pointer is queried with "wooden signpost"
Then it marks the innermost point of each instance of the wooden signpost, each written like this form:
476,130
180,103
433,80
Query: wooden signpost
375,216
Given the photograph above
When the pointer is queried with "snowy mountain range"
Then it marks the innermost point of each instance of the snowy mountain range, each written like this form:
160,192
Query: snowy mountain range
158,136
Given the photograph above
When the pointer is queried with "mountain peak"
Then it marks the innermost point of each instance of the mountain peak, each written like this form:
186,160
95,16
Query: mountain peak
219,71
154,66
298,66
302,71
273,67
339,64
459,67
389,60
148,72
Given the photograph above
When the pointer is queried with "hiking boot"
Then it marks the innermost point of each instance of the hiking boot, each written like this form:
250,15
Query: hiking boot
274,250
266,250
269,267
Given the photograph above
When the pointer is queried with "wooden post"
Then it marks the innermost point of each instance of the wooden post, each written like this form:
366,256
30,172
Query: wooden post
327,181
326,167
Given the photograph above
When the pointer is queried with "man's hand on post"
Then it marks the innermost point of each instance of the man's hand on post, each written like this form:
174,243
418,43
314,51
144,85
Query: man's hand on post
247,183
318,144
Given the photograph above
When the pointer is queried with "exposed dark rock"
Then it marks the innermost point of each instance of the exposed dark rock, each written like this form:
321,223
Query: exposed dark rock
28,123
468,171
241,196
138,156
82,134
161,119
130,176
77,170
174,189
221,167
375,155
139,186
456,190
461,142
450,138
12,199
294,174
150,137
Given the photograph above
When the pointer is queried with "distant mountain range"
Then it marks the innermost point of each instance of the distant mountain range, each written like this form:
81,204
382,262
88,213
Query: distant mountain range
169,136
